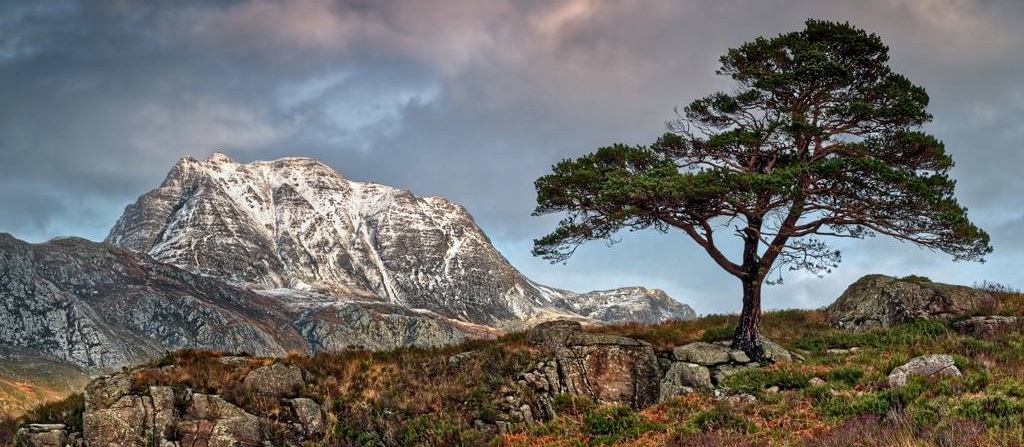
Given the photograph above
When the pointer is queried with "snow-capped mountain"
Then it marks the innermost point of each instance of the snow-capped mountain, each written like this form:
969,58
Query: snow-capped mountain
296,224
270,257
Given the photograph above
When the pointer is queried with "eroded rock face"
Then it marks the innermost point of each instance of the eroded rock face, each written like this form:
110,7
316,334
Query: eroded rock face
610,369
606,368
100,307
933,365
881,301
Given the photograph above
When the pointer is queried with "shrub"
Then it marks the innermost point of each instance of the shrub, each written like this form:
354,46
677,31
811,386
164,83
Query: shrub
995,287
754,380
609,425
994,410
8,428
67,411
718,333
916,279
721,418
847,376
847,406
570,405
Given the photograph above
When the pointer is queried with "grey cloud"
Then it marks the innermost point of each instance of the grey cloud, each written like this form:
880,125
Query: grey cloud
469,100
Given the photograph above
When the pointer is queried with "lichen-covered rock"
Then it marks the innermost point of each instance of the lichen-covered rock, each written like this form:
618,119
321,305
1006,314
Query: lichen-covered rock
702,353
214,422
933,365
722,372
42,435
309,414
552,335
882,301
775,352
683,378
603,367
610,369
126,422
989,326
278,380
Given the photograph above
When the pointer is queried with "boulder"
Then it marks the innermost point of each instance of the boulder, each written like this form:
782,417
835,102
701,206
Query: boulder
309,415
722,372
42,435
457,360
932,365
609,369
702,353
278,380
883,301
990,326
775,352
215,422
684,378
552,334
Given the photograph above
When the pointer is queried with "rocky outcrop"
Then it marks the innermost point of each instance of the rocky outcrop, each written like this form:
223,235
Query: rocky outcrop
609,369
933,365
614,369
703,367
881,301
118,413
988,326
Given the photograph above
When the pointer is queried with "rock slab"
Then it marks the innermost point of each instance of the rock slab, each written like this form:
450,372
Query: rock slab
932,365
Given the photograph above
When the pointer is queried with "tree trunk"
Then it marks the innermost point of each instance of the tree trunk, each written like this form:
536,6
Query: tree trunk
746,337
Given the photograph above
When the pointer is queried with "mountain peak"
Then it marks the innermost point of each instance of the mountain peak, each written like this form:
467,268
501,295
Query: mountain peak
219,157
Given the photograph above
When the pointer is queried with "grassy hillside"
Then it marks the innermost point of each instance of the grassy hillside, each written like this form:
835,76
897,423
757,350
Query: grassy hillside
27,381
412,397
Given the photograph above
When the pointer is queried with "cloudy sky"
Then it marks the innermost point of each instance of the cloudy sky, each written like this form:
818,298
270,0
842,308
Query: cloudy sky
471,100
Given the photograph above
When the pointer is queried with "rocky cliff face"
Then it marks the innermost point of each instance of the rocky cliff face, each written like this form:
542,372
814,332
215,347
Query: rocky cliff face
98,306
296,224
